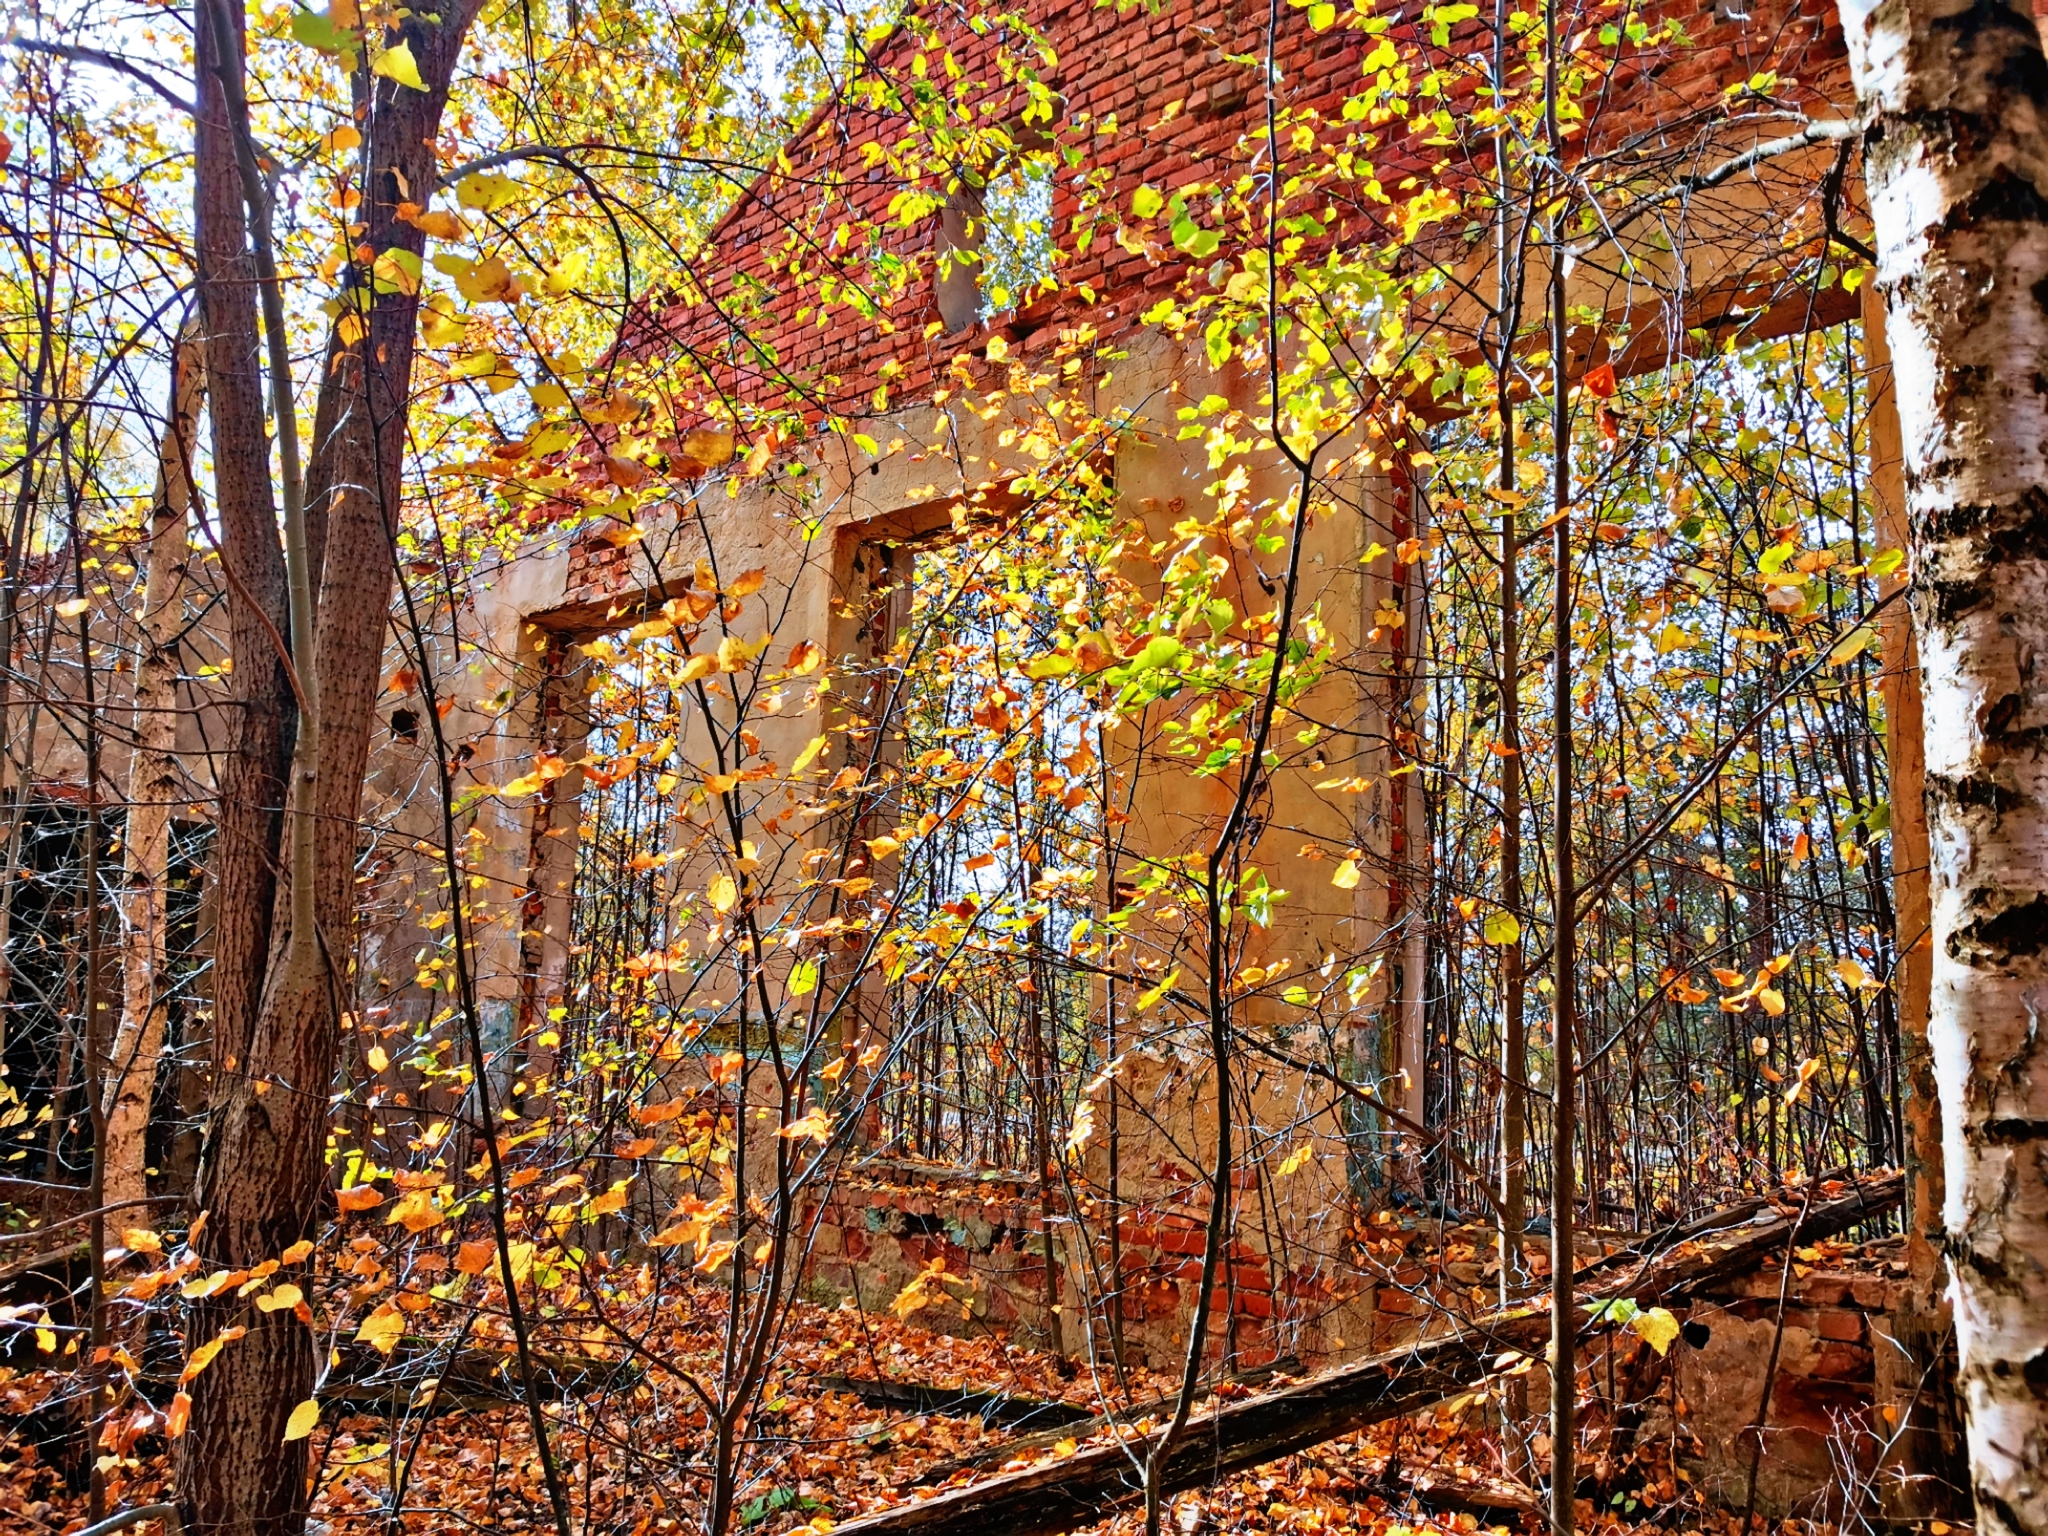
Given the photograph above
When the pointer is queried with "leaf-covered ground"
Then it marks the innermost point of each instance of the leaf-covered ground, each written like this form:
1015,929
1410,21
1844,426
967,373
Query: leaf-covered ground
630,1450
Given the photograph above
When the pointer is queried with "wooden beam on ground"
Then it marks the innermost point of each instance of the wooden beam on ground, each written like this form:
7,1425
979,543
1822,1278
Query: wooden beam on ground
955,1402
1097,1479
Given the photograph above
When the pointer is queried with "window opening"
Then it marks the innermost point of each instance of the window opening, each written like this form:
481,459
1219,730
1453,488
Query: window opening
985,1017
996,250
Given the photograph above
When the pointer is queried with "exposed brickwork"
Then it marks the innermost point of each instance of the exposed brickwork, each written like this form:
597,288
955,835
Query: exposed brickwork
1837,1397
758,332
1132,67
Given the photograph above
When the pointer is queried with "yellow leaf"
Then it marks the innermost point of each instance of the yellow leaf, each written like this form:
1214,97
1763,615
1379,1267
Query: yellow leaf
1502,927
806,657
360,1198
714,1256
72,607
1772,1000
398,268
815,1125
564,277
882,847
281,1299
697,668
141,1240
377,1058
1346,877
1294,1160
723,893
809,755
438,222
382,1329
418,1210
747,583
1656,1326
712,447
1082,1128
1149,998
1807,1069
203,1356
1851,645
297,1253
397,63
303,1418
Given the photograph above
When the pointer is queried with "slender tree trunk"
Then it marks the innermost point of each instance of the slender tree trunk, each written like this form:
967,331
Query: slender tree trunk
154,783
1564,1322
1929,1441
265,1168
249,821
1956,163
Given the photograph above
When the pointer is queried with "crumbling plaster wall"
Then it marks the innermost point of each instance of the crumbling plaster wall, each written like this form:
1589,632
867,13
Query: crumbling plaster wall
568,587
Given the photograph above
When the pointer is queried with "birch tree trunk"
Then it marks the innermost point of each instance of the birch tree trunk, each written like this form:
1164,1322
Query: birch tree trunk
1956,162
154,782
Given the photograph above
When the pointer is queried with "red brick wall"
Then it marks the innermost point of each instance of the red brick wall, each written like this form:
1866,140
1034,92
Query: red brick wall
1134,65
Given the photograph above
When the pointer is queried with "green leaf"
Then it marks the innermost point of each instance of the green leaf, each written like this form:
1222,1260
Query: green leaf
1887,562
1160,651
1146,201
317,30
1193,239
803,978
397,63
1322,17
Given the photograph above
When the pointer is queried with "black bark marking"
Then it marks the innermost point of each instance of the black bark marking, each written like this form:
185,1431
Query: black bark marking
1981,536
1992,26
2017,929
2011,1129
2036,1372
1982,792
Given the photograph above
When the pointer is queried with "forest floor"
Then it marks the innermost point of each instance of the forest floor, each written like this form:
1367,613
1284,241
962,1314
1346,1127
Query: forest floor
823,1455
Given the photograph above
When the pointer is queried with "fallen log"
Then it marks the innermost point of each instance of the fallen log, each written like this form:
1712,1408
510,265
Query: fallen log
956,1402
1082,1488
1082,1428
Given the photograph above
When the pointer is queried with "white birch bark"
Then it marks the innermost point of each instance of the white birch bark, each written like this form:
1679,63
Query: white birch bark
1956,163
154,785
